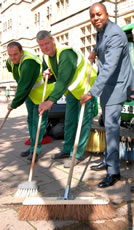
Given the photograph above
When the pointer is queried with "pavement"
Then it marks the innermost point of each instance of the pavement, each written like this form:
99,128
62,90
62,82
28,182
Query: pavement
51,177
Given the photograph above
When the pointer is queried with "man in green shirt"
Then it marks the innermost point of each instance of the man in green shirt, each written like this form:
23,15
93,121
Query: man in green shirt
70,71
25,68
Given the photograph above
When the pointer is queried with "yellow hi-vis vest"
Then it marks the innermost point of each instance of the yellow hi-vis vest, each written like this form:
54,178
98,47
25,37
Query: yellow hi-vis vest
78,83
36,92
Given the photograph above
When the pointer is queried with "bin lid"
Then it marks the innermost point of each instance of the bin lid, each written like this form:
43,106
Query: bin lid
128,27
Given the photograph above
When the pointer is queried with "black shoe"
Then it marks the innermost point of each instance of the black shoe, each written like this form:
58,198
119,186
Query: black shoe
25,154
109,180
30,157
60,155
98,167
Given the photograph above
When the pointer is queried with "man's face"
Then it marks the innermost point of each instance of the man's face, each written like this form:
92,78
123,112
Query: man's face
98,16
15,54
48,46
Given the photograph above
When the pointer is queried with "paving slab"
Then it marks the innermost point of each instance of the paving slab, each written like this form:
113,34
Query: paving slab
9,221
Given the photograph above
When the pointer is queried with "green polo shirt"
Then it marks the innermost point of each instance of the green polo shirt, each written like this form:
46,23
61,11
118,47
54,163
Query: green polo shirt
29,73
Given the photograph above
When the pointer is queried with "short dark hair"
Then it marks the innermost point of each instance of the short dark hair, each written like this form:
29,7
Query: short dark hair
99,4
12,44
41,35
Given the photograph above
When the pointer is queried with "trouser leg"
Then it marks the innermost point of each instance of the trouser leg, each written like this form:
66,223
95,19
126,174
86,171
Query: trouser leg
33,118
29,106
86,127
71,122
111,116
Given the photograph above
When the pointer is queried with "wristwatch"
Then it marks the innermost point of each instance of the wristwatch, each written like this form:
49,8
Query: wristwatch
89,94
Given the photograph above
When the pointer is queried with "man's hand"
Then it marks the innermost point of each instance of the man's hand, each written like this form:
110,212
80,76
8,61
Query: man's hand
47,72
92,57
85,98
45,105
9,107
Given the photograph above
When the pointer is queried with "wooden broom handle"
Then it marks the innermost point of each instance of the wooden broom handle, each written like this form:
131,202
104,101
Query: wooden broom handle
37,134
3,122
78,133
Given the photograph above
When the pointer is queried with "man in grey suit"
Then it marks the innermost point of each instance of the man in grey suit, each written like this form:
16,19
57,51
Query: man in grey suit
113,86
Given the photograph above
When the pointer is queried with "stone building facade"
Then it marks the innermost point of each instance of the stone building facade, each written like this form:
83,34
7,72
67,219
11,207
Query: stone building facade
68,20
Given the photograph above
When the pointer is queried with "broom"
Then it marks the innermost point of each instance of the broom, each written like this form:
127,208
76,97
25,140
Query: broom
3,122
30,188
96,141
63,208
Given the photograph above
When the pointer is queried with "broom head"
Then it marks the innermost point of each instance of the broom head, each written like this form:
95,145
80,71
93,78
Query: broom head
82,208
96,141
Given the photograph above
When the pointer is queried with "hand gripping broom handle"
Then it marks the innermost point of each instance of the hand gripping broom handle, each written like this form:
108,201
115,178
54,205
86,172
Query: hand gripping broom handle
3,122
37,134
77,137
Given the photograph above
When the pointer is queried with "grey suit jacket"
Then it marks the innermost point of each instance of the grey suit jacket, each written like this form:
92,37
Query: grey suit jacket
115,77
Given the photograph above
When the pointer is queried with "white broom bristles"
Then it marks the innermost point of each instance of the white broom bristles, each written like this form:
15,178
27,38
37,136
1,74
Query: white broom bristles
27,189
26,193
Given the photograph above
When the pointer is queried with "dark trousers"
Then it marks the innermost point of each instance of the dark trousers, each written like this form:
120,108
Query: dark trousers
71,121
32,120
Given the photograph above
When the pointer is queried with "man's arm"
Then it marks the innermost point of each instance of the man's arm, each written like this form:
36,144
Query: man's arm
112,54
92,56
8,66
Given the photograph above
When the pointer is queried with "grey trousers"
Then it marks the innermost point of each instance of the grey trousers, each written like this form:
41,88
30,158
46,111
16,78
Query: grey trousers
111,118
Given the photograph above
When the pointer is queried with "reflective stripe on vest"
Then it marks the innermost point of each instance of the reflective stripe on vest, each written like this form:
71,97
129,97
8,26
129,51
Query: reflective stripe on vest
38,84
80,76
37,59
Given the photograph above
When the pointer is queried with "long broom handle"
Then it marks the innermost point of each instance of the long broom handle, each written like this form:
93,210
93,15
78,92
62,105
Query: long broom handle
3,122
37,134
77,137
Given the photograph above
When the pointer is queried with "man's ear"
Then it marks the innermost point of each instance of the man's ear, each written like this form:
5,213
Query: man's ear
22,53
53,40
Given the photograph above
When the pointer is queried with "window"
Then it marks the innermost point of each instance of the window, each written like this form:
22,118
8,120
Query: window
61,6
4,26
62,39
4,59
37,18
87,39
37,51
128,20
9,24
49,15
